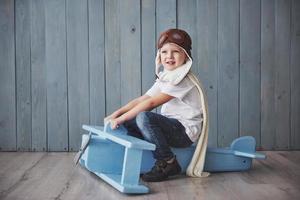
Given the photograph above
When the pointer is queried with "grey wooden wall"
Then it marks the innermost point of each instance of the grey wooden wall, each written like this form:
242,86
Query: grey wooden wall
64,63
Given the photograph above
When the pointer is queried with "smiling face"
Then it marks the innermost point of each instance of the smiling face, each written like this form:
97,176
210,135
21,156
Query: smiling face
172,56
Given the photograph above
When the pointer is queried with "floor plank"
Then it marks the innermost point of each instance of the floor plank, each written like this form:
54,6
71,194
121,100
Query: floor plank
14,168
36,176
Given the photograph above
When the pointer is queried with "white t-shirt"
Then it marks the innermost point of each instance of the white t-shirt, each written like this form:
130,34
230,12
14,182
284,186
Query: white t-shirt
185,107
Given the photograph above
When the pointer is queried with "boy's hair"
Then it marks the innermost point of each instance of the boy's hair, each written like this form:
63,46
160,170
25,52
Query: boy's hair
177,36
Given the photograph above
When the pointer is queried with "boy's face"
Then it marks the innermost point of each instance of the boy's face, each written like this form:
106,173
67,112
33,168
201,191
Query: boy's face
172,56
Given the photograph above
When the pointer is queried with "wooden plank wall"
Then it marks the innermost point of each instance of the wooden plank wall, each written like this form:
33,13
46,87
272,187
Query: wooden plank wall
8,125
65,63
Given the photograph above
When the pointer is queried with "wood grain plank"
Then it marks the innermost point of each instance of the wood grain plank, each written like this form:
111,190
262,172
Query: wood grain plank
96,61
165,15
52,176
282,74
295,76
188,22
207,49
47,178
130,50
278,174
268,123
85,185
148,44
166,11
228,65
35,101
249,116
38,77
23,74
112,56
15,171
56,62
8,133
78,70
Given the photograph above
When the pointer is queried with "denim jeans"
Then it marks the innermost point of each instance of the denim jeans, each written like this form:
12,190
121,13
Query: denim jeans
162,131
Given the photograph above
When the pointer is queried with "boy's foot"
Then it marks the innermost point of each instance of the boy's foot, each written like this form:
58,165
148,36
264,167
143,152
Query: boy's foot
161,171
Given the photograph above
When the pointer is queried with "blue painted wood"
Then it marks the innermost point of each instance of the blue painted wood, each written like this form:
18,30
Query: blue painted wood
130,50
119,137
148,40
165,19
238,157
282,74
165,15
49,97
56,62
123,173
112,164
38,77
249,89
295,76
131,166
114,180
7,77
228,77
78,69
112,56
96,61
189,24
207,45
249,155
107,144
268,124
23,74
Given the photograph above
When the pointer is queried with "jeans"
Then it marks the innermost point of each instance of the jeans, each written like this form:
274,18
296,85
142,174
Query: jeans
162,131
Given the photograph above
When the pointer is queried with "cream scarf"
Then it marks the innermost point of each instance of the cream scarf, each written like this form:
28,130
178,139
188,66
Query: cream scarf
196,165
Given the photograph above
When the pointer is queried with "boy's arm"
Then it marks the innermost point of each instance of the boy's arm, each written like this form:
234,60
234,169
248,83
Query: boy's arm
145,105
127,107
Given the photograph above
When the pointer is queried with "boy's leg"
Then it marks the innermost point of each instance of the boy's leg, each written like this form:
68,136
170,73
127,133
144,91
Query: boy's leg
133,129
163,132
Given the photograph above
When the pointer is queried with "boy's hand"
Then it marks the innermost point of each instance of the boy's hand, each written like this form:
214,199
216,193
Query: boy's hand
114,124
110,117
107,119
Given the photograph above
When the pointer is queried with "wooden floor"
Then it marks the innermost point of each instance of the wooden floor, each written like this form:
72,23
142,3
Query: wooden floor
42,176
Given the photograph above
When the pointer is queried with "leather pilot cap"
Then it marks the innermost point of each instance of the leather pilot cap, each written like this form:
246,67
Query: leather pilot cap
177,36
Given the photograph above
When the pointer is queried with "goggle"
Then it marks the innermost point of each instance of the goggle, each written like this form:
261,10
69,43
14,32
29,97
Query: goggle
176,37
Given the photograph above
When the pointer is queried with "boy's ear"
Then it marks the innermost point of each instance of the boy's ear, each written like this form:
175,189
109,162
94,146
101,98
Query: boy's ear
158,60
186,58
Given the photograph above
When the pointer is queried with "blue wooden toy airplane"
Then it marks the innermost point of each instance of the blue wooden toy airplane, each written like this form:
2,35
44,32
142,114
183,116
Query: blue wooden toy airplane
119,159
